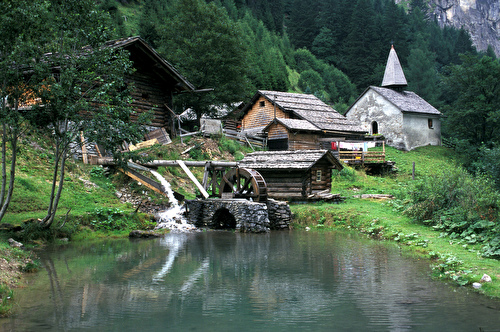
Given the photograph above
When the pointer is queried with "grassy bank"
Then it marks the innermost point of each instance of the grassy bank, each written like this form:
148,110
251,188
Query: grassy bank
92,206
451,258
96,202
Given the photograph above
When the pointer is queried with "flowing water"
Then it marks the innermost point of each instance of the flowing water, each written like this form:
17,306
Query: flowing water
173,218
225,281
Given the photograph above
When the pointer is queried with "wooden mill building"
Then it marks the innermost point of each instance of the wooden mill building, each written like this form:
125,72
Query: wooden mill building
155,82
294,175
294,121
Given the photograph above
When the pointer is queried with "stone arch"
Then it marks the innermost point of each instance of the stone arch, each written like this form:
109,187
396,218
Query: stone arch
374,128
224,219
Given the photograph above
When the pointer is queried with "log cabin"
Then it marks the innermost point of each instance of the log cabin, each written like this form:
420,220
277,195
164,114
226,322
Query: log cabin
294,175
294,121
155,82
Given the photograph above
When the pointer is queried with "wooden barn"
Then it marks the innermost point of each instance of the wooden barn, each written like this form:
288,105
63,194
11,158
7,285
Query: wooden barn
294,175
155,82
294,121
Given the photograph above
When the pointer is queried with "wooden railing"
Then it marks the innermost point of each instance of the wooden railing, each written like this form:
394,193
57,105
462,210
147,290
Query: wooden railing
354,157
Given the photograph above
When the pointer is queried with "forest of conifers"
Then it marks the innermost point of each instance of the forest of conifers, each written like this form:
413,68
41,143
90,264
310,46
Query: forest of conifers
302,45
332,48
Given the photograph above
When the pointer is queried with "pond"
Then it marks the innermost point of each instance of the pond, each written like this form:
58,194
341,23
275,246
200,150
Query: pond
226,281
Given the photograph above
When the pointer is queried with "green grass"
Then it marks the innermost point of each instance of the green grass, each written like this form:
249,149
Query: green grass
95,209
132,15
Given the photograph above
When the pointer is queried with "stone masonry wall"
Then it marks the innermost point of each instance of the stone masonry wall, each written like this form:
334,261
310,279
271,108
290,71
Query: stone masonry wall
249,216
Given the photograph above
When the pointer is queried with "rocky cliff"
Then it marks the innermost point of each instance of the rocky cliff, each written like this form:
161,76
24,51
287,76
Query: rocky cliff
480,17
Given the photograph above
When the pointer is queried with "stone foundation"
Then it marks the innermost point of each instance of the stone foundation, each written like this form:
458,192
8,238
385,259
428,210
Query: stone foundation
239,214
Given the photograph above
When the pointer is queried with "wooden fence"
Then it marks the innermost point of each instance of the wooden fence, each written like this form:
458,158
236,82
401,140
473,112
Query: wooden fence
245,139
361,157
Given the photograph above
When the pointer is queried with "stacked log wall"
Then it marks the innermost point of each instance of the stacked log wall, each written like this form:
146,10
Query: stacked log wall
303,142
277,131
148,95
261,116
283,184
326,177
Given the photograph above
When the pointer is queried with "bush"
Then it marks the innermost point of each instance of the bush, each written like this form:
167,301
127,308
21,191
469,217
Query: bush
458,204
230,145
108,219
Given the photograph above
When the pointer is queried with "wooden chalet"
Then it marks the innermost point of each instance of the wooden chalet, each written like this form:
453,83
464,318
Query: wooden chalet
295,175
294,121
155,82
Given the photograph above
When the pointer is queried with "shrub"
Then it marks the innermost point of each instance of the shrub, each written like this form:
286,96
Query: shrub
108,219
458,204
230,145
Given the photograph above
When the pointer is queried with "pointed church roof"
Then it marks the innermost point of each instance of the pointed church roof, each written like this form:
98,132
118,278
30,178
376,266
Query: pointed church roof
393,76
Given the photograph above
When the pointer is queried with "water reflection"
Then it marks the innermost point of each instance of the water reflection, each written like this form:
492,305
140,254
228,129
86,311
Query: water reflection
280,281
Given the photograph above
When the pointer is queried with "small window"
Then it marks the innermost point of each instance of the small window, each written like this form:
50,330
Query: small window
374,128
262,103
431,124
318,175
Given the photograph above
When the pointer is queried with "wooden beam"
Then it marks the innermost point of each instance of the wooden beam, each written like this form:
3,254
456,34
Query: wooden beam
151,184
193,178
157,163
84,149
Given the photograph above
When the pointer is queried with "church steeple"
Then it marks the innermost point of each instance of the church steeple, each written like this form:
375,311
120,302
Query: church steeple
394,77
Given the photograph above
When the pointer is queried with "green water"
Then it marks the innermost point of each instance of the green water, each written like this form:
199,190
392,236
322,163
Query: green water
225,281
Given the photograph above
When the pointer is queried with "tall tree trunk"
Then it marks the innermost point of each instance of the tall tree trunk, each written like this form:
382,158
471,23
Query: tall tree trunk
55,201
61,153
4,164
45,220
6,202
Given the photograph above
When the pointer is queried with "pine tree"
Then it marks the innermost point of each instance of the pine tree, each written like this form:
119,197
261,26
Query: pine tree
421,72
359,58
301,25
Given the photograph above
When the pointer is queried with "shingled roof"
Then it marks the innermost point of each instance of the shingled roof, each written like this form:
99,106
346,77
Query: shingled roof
310,108
162,65
394,75
287,160
406,101
294,124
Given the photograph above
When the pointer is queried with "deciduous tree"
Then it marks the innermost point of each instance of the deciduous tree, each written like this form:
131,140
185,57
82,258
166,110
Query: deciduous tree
473,92
208,47
81,88
19,52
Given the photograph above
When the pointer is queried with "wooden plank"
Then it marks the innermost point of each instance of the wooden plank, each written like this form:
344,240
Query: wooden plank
84,148
153,185
193,178
161,135
143,144
165,163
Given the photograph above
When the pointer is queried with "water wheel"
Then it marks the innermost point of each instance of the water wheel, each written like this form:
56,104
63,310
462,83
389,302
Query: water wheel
243,183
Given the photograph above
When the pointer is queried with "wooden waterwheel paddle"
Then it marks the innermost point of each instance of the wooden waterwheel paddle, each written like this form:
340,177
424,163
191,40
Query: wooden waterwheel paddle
243,183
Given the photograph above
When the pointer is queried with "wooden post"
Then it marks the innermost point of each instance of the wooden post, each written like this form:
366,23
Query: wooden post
193,178
84,149
413,172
